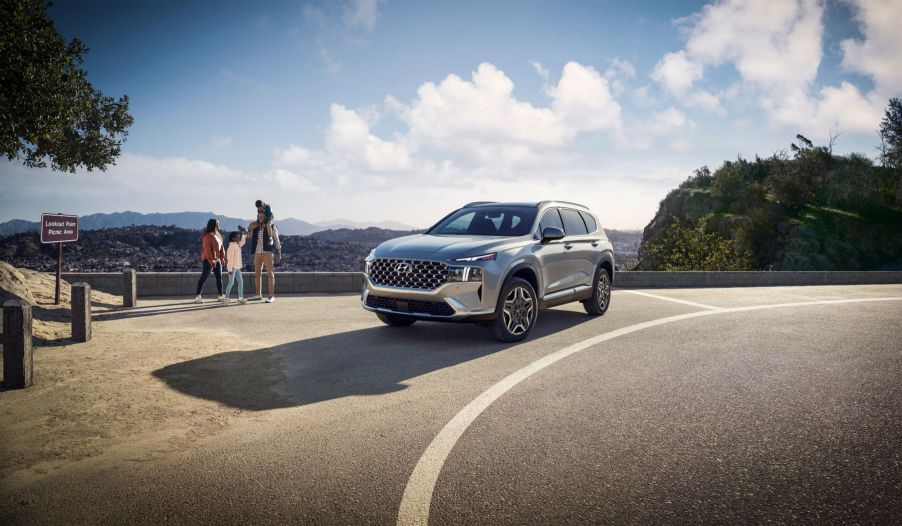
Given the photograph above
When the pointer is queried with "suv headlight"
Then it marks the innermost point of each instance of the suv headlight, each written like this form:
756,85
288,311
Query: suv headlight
484,257
368,261
461,274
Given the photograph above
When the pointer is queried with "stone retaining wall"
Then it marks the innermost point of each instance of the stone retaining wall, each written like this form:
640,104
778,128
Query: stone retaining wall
152,284
655,280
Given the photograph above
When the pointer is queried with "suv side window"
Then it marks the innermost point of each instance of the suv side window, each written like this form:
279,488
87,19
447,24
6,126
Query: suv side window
590,222
573,223
550,218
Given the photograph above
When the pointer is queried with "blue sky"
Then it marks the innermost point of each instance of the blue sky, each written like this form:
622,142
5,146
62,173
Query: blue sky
375,110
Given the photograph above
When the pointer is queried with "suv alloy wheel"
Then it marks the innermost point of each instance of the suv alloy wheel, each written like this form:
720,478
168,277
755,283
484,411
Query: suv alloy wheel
601,293
517,311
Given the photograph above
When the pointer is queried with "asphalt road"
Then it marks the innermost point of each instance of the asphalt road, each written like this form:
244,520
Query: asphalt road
784,414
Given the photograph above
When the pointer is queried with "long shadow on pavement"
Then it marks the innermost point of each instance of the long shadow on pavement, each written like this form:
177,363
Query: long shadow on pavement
368,361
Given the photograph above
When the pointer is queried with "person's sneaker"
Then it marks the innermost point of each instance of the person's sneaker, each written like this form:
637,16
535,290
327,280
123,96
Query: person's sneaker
225,302
220,297
256,298
270,299
242,301
198,299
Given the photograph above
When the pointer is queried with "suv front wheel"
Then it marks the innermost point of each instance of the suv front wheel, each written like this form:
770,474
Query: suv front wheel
601,293
517,311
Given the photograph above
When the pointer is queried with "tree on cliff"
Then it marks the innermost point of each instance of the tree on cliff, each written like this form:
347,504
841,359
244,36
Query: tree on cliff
692,247
49,112
891,133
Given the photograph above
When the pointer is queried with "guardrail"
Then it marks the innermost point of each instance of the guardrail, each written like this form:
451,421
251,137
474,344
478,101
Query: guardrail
150,284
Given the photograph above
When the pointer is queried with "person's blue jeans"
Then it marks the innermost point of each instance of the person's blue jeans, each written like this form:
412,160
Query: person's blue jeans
233,276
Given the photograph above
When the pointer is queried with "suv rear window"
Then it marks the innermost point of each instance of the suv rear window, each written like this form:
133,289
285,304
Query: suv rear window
590,222
573,223
487,221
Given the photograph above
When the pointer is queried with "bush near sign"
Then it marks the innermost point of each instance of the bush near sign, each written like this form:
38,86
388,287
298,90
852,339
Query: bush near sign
58,228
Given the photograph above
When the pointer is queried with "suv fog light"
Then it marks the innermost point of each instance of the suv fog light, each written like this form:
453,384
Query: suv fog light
461,274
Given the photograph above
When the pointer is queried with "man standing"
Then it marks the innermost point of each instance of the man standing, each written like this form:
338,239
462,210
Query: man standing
263,248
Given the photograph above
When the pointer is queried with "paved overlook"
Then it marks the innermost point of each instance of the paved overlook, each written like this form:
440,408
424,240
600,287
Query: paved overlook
705,406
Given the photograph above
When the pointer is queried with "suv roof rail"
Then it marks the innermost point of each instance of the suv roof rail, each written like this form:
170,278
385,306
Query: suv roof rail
474,203
563,203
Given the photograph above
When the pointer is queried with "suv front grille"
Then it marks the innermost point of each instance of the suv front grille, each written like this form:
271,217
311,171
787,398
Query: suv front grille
409,273
435,308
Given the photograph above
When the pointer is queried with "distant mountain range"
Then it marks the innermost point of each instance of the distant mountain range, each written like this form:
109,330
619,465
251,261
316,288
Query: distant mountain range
196,220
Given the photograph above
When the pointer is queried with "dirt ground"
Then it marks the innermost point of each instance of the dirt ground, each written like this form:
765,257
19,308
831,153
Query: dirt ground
51,323
90,398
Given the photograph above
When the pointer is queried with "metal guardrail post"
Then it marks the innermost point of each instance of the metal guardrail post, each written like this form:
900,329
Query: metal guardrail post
18,355
81,312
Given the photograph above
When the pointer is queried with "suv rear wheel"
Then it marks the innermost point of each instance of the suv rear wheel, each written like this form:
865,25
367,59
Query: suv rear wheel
517,311
601,293
394,320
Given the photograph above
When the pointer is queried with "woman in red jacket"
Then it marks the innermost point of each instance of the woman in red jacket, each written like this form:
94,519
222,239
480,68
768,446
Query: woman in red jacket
213,255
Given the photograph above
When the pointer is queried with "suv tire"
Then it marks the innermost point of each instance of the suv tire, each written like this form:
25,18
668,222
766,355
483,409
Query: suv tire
601,293
517,310
394,320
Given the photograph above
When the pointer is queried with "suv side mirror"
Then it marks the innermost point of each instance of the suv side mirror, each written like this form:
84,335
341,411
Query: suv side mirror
552,233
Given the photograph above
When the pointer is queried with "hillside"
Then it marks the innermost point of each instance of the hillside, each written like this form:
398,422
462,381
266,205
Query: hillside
195,220
171,249
811,211
371,236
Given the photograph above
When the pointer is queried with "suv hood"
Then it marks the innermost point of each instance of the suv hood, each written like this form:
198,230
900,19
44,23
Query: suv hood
445,247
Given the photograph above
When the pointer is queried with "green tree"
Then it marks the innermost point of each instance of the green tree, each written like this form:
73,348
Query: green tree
691,247
48,109
891,133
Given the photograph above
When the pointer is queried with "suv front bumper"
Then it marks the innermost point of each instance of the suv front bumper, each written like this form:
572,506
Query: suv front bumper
456,301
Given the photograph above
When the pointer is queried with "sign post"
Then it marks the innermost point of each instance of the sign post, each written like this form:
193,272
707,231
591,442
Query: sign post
59,229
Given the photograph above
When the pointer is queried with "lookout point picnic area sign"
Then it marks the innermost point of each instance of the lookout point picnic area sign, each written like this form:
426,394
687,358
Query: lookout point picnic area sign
59,229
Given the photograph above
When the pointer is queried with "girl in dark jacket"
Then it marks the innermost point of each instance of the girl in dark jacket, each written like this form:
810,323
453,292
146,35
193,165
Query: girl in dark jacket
213,255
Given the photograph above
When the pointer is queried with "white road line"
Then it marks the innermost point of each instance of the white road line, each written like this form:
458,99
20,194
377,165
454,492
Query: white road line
665,298
417,498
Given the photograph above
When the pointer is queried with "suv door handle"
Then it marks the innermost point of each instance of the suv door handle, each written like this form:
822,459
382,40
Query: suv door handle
568,246
595,243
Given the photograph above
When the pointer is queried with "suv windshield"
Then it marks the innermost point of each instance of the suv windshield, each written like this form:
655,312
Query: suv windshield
487,221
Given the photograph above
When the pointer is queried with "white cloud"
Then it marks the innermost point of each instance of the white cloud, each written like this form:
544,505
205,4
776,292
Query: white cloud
541,70
620,68
335,31
291,181
349,137
460,130
481,118
776,46
676,72
292,156
619,72
362,14
772,43
670,125
879,55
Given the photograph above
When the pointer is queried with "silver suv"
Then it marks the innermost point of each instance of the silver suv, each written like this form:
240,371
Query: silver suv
493,263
